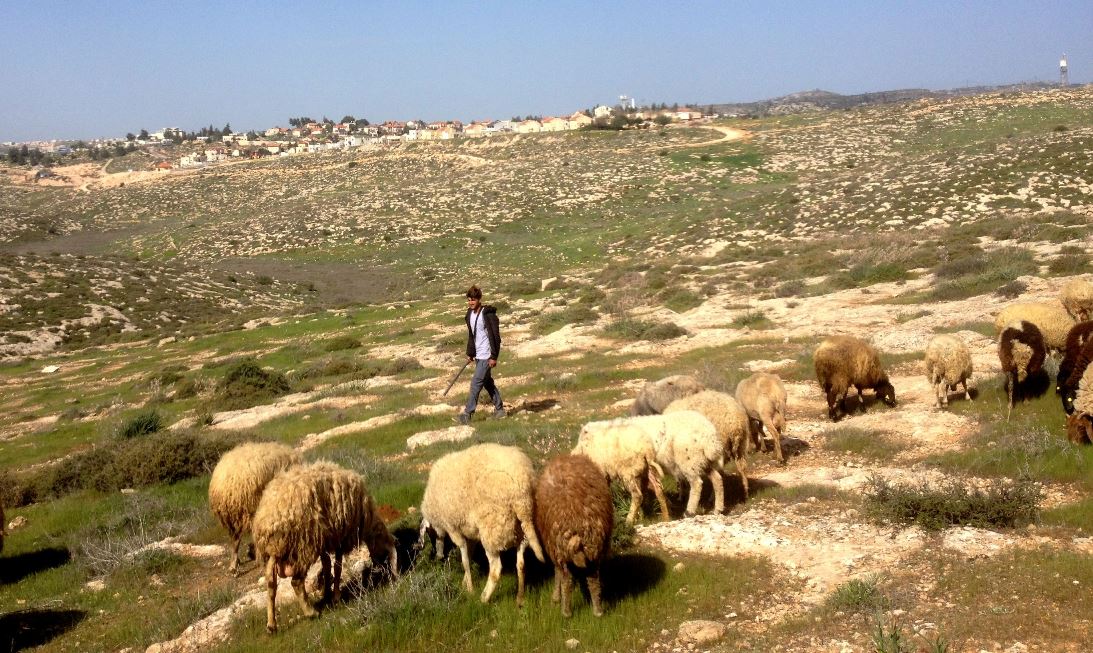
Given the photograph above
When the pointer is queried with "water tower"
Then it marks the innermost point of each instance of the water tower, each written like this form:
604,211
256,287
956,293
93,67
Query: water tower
1064,77
626,101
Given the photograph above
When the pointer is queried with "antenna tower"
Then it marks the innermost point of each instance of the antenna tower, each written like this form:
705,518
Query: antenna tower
1064,76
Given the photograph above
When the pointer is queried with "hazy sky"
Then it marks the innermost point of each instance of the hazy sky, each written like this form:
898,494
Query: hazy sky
82,69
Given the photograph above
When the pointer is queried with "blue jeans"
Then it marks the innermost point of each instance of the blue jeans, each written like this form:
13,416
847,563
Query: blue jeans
482,379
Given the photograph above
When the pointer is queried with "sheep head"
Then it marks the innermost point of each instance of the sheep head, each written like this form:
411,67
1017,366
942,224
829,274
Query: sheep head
886,392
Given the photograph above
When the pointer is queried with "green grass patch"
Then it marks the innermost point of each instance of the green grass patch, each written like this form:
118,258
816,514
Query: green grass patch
550,322
1001,504
633,329
860,595
876,445
245,384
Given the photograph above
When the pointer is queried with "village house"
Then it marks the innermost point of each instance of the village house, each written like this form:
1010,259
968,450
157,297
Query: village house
528,127
476,129
687,113
552,124
601,111
578,120
275,131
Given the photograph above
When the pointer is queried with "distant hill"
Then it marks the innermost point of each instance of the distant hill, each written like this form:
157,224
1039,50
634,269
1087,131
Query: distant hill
816,100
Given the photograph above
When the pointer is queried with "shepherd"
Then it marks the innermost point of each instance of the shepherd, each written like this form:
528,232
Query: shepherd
483,348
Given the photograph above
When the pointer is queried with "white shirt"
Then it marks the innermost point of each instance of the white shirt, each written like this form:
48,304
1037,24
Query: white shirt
481,336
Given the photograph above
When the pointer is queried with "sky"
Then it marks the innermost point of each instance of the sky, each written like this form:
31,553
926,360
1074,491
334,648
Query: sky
84,69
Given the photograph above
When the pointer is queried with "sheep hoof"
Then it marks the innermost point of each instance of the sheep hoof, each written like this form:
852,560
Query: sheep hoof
272,630
689,514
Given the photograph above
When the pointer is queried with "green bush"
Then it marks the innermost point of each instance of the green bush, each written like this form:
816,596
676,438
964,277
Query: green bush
341,343
791,288
400,365
143,423
631,329
858,595
1001,504
245,384
1071,260
551,322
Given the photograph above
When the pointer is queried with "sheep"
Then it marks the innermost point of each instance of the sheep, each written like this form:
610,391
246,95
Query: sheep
289,529
1052,320
733,429
689,447
237,484
1079,424
624,452
948,364
1021,351
574,517
307,512
763,396
1075,358
352,519
845,361
656,395
1077,298
484,493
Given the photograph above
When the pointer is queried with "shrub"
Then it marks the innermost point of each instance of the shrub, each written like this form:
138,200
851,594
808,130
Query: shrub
1071,260
187,388
400,365
790,288
752,319
245,384
631,329
551,322
1012,290
1001,505
341,343
143,423
858,595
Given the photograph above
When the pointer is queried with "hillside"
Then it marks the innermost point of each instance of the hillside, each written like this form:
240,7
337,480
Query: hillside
715,250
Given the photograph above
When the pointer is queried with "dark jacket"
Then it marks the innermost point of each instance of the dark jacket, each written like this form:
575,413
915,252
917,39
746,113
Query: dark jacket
488,319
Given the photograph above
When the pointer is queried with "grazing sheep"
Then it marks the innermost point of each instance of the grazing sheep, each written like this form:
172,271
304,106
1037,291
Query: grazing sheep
1052,320
1075,357
1021,351
948,364
1079,424
1077,298
763,396
483,493
656,395
845,361
733,429
624,452
351,520
574,517
289,530
237,484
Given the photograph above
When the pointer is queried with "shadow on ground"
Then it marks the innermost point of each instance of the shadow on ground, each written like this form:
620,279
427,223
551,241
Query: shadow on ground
17,567
30,628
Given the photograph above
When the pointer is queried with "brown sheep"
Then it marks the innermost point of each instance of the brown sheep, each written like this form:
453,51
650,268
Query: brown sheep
763,396
1076,357
656,395
1021,351
574,517
1079,429
845,361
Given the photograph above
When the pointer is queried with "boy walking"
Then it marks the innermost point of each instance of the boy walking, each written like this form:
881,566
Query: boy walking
483,347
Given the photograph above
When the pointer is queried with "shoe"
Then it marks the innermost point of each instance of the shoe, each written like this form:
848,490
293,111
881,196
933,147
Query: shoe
499,413
464,418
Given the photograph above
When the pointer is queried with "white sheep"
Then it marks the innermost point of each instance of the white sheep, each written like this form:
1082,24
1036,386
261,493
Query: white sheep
483,493
948,364
656,395
1077,298
763,397
237,484
625,453
733,430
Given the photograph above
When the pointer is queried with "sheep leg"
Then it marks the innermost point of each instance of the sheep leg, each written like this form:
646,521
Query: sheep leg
324,576
556,595
301,593
718,482
967,393
942,394
567,591
465,555
494,576
338,575
439,546
742,469
634,486
658,490
271,592
237,539
595,590
392,560
694,495
1009,391
834,404
768,425
861,399
520,573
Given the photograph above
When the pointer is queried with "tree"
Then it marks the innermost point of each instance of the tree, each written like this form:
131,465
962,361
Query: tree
662,120
347,119
143,135
227,129
251,136
130,137
362,122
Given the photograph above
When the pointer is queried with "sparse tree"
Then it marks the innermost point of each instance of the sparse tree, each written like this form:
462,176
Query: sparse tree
227,129
662,119
143,135
130,137
347,120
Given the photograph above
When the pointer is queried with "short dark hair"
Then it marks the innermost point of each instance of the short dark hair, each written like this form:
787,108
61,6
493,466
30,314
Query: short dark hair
474,292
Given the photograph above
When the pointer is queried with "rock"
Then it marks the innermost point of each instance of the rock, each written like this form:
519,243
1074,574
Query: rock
450,434
548,284
572,643
128,490
96,585
50,369
165,341
701,631
678,567
18,522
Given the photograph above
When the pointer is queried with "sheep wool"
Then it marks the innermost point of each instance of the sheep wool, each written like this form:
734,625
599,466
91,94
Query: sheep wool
688,447
763,396
732,424
1052,320
948,364
1076,358
624,452
656,395
1077,298
483,493
842,362
574,517
237,484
